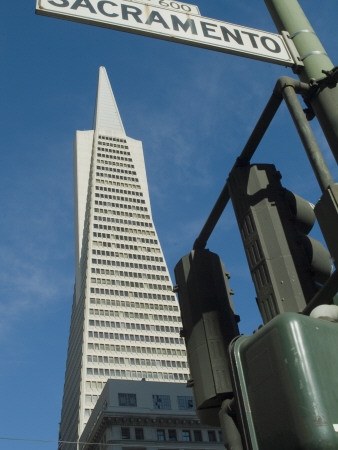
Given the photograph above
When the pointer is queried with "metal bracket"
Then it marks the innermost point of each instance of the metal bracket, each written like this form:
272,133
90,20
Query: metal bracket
330,80
293,51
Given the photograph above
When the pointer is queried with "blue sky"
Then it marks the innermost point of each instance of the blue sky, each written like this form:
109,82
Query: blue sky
193,109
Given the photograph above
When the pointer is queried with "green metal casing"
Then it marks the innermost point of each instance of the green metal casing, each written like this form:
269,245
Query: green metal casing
286,384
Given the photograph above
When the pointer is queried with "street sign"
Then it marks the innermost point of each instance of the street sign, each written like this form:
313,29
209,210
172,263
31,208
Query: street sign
148,19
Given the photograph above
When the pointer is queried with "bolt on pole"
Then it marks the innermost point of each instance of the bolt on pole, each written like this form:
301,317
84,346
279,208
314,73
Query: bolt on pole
289,16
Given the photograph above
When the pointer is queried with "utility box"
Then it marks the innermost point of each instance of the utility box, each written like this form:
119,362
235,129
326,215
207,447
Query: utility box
286,384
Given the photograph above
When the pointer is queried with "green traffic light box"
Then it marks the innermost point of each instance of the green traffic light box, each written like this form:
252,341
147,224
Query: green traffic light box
286,384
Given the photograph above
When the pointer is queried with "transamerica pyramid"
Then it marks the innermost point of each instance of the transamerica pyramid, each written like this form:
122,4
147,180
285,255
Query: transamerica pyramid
125,320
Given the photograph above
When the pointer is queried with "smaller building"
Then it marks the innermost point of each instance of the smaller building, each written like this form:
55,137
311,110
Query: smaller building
142,415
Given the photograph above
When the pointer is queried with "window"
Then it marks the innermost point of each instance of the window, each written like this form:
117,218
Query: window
198,435
127,400
160,435
212,436
186,436
161,402
139,435
125,433
185,402
172,435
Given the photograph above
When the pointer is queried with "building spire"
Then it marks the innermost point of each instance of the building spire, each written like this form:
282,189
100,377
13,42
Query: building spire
106,116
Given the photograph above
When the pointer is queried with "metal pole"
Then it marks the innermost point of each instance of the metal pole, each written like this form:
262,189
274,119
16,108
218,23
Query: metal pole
289,16
312,149
244,159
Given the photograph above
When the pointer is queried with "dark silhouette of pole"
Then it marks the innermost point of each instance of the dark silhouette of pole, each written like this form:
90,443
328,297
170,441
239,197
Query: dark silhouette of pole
318,69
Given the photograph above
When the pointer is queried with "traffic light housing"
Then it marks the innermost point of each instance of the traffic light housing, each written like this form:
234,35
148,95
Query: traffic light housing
209,325
326,211
286,265
285,384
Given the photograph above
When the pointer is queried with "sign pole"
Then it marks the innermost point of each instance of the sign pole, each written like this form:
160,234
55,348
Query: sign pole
318,69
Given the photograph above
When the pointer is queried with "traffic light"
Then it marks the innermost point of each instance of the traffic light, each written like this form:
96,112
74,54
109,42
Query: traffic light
209,325
286,265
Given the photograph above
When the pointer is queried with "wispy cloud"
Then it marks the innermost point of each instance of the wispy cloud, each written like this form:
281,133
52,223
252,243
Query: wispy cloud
36,246
29,285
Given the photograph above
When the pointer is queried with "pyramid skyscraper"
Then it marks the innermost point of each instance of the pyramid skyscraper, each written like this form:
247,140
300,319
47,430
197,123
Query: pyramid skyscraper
125,319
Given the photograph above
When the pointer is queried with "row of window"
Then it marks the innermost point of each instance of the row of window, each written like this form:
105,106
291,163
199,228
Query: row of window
114,146
116,360
122,205
119,197
118,237
125,274
136,305
133,349
132,284
117,183
164,402
146,295
137,375
116,177
108,150
120,273
108,138
124,237
117,245
111,169
128,265
118,293
121,213
127,246
134,315
119,191
114,162
172,435
128,230
95,385
125,283
133,326
121,221
186,435
134,337
184,402
101,359
126,255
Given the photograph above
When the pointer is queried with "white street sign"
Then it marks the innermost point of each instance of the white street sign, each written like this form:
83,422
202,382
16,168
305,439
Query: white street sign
140,17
